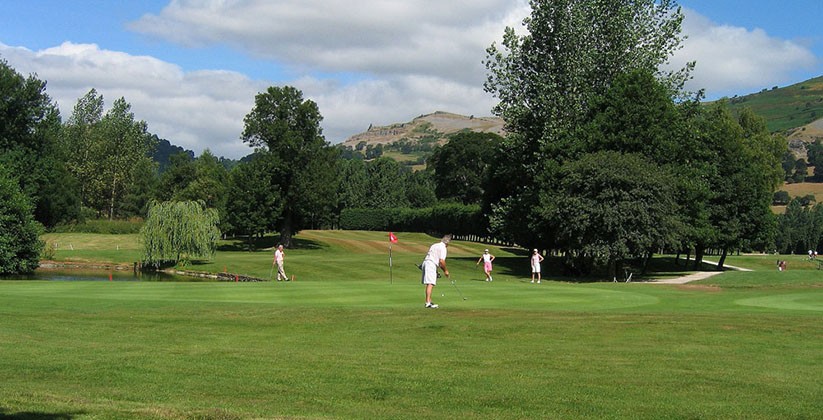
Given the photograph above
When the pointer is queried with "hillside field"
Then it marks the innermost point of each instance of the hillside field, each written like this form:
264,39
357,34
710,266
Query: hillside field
350,339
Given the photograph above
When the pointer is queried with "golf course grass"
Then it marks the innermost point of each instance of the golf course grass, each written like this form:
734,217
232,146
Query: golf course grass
350,338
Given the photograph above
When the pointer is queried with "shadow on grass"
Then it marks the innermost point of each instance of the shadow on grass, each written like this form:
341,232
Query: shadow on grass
34,415
552,268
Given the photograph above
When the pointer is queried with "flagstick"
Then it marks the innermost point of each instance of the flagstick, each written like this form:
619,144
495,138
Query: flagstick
391,275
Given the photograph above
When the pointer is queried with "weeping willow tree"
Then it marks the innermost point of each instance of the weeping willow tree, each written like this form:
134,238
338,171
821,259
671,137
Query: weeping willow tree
178,231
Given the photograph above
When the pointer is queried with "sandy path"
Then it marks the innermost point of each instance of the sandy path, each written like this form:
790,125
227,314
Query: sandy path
700,275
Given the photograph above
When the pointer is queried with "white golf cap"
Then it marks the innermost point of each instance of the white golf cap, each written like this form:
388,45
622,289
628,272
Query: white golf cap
485,250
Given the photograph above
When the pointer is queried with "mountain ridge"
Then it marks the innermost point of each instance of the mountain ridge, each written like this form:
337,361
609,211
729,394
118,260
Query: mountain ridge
432,128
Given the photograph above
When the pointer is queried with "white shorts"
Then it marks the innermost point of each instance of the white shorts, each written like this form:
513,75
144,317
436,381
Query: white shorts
429,273
535,268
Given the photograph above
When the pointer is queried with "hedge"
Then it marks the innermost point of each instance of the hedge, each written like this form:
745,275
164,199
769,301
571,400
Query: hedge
457,219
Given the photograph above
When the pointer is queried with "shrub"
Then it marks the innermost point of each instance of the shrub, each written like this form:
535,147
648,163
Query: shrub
20,245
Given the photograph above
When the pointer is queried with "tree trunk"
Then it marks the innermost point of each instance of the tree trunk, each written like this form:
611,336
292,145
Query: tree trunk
698,256
722,259
113,191
286,231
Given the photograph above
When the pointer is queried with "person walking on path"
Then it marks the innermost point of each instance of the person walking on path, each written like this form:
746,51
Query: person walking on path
436,257
279,256
487,264
536,259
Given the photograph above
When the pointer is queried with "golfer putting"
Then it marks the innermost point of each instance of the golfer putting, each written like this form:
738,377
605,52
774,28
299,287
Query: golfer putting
436,257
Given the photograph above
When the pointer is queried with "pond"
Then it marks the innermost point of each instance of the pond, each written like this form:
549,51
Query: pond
63,274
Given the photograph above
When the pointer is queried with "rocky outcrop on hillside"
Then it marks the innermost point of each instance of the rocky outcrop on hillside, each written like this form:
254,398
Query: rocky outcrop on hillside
799,137
435,127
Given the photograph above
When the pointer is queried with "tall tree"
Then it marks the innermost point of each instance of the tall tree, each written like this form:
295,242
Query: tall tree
104,150
127,142
287,126
386,184
179,173
81,142
30,149
251,200
745,172
461,165
548,79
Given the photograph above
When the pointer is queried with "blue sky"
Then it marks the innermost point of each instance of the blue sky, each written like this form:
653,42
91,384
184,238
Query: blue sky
191,68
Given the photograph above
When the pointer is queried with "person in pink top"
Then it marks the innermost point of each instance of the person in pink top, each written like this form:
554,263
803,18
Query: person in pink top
536,259
487,264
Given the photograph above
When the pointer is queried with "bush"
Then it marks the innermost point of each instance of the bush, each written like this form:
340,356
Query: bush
458,219
20,245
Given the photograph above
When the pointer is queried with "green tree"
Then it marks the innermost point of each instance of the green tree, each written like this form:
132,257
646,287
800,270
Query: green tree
209,182
142,190
386,184
420,186
127,142
20,245
104,150
30,149
613,207
179,231
251,201
746,173
179,174
460,167
286,126
800,170
548,79
814,152
353,187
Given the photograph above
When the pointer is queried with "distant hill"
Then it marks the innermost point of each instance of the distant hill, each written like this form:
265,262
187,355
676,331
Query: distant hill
163,151
429,128
796,111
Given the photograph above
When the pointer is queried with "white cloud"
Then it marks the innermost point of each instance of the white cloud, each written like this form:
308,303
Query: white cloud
426,37
195,110
733,60
369,62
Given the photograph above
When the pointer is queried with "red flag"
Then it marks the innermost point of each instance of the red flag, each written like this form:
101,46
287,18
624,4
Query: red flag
392,238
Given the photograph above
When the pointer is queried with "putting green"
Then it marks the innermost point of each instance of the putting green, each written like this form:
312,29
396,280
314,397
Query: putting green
808,301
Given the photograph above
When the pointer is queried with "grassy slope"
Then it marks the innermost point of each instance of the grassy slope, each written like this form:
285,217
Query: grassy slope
789,107
343,342
801,189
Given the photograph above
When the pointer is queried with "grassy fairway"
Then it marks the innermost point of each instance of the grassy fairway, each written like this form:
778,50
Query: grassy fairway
346,341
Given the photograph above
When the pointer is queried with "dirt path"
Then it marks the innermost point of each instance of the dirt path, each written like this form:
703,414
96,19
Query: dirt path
700,275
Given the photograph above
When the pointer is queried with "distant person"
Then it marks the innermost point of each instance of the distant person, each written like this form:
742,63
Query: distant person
487,259
811,254
436,257
781,265
536,259
279,256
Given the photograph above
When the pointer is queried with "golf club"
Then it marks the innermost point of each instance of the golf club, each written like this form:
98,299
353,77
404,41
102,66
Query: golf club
458,290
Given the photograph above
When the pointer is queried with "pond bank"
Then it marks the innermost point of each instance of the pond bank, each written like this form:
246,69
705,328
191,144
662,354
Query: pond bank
48,265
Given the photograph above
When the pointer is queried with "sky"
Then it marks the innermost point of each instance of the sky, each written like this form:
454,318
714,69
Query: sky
191,68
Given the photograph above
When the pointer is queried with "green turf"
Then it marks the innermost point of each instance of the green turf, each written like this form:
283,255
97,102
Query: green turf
347,341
